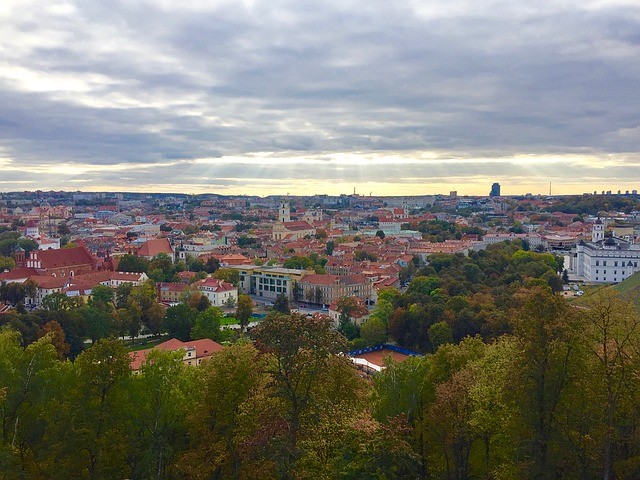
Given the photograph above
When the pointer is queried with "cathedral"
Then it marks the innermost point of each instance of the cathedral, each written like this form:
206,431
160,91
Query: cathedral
285,229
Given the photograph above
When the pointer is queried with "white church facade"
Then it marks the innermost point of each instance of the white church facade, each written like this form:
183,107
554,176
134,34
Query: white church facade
285,229
606,260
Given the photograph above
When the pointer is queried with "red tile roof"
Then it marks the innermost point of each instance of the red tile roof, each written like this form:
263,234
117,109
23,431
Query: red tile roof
154,247
204,349
215,284
64,257
17,274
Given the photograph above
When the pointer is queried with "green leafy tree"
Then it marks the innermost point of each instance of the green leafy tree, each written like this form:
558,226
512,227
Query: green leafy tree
440,333
244,310
179,320
228,381
6,263
373,331
102,296
59,301
133,263
162,396
207,324
98,322
300,350
546,331
281,305
229,275
614,333
423,285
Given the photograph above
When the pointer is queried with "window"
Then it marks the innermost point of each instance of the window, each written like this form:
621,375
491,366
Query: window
615,264
604,263
597,263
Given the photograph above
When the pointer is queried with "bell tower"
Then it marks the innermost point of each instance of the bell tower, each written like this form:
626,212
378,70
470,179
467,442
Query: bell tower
597,231
284,212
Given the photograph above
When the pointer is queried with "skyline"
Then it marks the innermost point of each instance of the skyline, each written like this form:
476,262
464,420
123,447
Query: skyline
265,98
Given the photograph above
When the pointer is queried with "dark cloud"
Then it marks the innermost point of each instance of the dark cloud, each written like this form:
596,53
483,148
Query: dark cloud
149,83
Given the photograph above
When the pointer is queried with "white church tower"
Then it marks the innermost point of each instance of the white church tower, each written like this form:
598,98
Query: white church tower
284,212
597,231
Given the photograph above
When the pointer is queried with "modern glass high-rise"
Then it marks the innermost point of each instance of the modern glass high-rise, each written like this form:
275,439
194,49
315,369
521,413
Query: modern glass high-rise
495,190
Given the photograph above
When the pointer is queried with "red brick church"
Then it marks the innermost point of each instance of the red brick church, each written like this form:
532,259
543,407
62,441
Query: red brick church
64,262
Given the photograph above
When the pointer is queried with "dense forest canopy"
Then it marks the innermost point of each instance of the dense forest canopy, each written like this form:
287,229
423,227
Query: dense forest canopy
555,397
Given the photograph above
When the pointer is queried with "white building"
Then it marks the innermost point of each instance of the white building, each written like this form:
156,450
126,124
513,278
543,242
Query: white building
606,260
218,291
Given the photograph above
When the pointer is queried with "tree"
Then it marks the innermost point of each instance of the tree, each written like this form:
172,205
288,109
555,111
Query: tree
207,324
614,330
546,332
330,247
59,301
153,317
6,263
54,332
244,310
281,305
123,292
423,285
229,275
373,331
212,265
162,397
300,349
179,320
102,295
98,322
440,334
95,427
380,234
229,380
63,229
133,263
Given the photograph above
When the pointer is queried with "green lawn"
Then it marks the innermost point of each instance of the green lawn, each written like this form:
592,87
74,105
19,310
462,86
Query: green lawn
228,321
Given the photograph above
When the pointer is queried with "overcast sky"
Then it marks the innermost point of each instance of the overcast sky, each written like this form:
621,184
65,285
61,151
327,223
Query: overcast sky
264,97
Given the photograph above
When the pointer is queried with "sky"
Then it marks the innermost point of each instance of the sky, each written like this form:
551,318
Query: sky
387,97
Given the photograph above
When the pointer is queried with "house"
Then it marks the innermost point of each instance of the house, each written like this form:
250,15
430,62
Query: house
218,291
358,316
171,292
194,352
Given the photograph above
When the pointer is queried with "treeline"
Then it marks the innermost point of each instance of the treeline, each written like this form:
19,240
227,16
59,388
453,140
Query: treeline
592,204
126,311
161,268
455,296
441,230
556,398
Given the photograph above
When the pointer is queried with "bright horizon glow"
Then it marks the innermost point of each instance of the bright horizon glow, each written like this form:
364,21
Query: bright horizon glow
455,173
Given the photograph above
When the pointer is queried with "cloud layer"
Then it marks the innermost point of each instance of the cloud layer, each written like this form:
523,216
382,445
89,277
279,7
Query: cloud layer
266,97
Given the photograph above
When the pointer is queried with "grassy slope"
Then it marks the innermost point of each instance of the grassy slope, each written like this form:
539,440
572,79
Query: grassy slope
630,285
